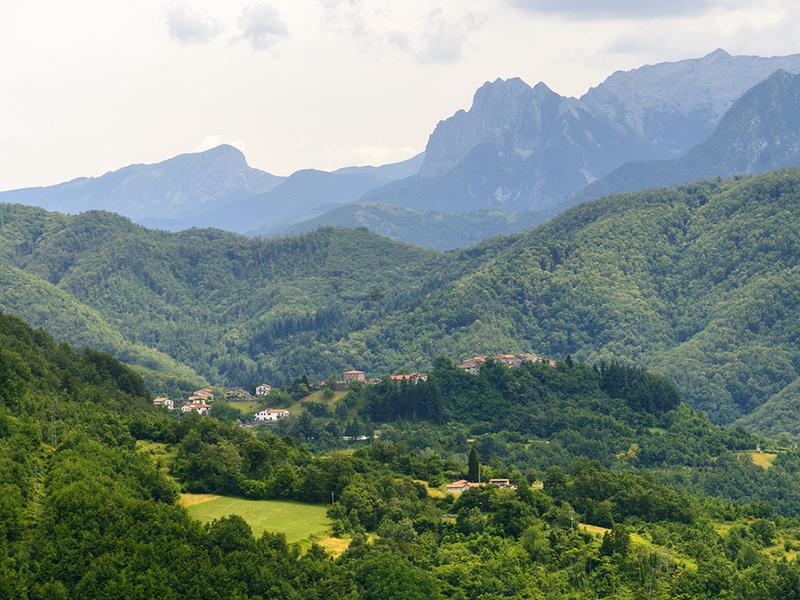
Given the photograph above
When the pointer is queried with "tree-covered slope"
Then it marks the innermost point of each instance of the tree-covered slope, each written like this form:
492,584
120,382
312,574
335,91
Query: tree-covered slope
43,304
235,310
698,283
84,515
429,229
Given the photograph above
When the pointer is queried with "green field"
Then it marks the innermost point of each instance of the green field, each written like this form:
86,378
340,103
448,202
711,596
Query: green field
246,407
295,519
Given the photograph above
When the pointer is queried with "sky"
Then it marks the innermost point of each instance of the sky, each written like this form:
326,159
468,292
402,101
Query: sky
90,86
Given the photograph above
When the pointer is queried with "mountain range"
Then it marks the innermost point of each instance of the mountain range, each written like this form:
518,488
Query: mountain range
760,132
517,149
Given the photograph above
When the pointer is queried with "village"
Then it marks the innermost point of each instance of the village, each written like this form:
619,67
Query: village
200,401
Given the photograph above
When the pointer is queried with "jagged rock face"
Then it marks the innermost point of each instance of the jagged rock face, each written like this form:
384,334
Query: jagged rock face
677,105
498,109
759,132
520,148
518,120
762,131
548,145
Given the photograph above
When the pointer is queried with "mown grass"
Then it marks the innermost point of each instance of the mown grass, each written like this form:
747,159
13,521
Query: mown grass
294,519
763,459
639,540
246,407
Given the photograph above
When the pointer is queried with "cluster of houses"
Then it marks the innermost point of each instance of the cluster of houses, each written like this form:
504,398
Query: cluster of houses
473,365
413,378
201,399
199,402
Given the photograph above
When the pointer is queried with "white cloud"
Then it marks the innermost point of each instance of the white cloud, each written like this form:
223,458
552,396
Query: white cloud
440,39
188,27
398,39
625,9
262,26
346,18
444,38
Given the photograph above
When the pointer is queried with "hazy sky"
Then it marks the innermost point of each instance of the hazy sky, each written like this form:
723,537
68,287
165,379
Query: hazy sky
90,86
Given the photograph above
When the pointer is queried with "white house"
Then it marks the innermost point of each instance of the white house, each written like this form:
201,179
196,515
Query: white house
263,389
166,402
196,406
272,414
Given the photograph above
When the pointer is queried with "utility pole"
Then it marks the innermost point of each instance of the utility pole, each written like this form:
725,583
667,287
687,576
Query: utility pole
331,498
571,520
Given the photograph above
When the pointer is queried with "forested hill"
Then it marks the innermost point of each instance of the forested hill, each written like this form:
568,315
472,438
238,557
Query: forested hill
235,310
84,514
697,283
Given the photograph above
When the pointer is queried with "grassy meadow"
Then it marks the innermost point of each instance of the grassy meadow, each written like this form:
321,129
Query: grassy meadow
294,519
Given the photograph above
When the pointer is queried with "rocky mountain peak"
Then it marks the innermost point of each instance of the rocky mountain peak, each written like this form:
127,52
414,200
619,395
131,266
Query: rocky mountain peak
676,105
504,113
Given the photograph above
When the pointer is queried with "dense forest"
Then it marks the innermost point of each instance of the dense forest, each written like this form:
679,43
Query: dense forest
696,283
83,514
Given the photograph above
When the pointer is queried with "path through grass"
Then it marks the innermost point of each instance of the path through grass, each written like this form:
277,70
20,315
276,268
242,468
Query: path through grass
295,519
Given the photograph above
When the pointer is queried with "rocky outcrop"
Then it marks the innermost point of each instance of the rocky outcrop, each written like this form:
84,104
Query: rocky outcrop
674,106
759,132
521,148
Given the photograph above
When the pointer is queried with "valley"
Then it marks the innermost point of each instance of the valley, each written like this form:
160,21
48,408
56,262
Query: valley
612,482
344,301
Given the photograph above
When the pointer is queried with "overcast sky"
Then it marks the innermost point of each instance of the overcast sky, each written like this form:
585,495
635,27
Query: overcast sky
90,86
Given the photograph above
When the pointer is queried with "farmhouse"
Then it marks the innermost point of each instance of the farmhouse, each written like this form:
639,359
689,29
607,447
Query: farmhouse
206,393
236,392
198,407
462,485
473,365
350,376
500,482
166,402
263,389
271,414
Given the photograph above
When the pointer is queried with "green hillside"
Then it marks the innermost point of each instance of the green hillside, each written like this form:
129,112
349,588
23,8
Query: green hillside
429,229
217,302
697,283
84,515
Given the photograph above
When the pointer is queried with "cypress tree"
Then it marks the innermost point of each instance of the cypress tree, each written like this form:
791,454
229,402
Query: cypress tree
474,465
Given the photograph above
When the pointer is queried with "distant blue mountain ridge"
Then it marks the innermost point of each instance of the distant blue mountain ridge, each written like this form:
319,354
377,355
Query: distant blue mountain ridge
517,149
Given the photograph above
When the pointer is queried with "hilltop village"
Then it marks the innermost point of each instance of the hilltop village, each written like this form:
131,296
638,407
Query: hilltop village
200,401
